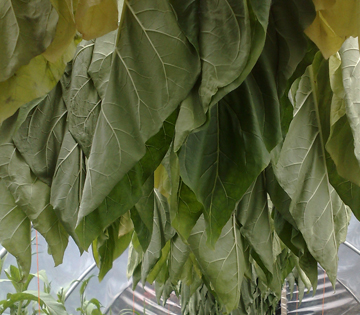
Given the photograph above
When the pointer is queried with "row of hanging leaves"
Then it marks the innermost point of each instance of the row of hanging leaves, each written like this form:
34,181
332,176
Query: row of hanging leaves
211,138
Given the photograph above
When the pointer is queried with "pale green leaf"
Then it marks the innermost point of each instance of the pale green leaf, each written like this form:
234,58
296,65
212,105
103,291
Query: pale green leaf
26,30
302,170
224,265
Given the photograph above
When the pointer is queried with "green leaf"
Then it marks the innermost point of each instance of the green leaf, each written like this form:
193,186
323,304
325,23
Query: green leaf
217,163
110,246
129,190
351,77
247,22
134,108
224,266
33,197
188,211
179,255
15,230
161,234
42,133
302,171
143,212
83,101
26,30
67,184
100,67
46,300
253,214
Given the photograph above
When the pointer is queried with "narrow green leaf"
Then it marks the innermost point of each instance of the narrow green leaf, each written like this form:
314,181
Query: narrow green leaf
224,266
253,214
67,184
84,102
143,212
26,30
15,232
110,246
179,254
161,234
134,108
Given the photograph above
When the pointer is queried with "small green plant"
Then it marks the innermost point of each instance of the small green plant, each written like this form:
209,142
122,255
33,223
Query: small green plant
19,301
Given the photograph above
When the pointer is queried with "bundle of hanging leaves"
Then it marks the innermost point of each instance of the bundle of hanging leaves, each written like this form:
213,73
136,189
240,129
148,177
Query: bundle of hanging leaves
210,137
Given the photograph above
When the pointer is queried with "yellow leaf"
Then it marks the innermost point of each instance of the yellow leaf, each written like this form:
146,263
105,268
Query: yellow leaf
32,81
95,18
65,30
335,21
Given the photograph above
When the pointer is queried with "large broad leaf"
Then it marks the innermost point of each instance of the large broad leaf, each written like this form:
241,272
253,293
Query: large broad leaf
254,216
179,255
224,266
40,137
15,229
217,163
335,21
302,170
148,79
67,184
239,28
46,301
33,197
26,30
129,190
96,18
